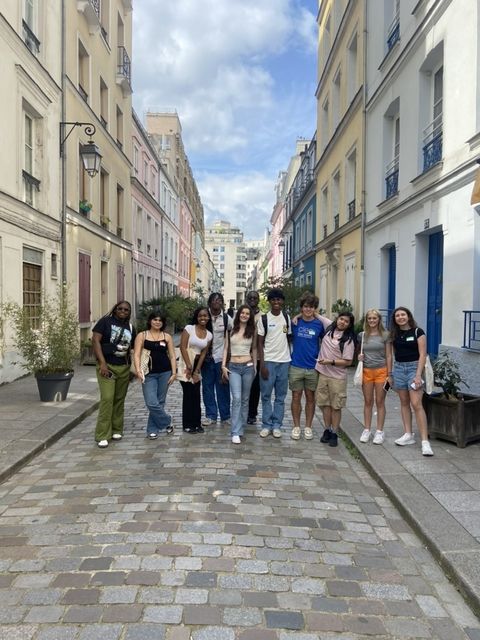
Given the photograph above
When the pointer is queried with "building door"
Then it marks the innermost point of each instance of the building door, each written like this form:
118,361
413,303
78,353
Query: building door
435,292
120,282
392,277
83,287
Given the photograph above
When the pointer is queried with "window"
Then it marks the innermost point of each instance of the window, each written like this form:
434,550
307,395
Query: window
103,103
31,184
32,284
53,265
119,127
392,159
325,125
104,20
352,58
135,158
29,24
336,200
119,211
350,278
104,204
392,15
351,176
336,99
433,133
83,71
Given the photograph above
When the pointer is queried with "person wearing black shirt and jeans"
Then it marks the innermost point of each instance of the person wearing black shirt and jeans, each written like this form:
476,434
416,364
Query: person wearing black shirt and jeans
112,339
409,346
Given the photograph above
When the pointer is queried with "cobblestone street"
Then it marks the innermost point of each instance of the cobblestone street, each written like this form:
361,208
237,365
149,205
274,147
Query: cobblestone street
191,537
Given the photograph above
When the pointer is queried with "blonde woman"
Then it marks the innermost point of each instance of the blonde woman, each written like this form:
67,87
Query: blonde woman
377,361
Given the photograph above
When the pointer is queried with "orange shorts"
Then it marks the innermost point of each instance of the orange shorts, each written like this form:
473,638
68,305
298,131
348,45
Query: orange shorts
374,375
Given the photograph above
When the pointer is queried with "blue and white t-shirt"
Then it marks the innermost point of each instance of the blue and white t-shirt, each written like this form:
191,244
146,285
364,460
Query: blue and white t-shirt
306,342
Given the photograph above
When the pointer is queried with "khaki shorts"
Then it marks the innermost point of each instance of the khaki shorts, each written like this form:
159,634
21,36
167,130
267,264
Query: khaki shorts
331,392
300,379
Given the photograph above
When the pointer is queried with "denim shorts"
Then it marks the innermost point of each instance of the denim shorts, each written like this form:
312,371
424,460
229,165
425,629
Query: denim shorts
404,374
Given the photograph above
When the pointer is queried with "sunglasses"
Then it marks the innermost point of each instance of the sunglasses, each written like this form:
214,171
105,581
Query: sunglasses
123,309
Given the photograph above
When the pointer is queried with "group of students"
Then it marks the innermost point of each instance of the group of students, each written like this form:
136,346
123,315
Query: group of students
234,362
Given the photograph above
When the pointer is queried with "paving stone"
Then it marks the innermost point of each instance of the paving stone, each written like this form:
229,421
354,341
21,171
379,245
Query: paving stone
18,632
145,631
201,579
346,588
71,580
169,614
336,605
191,596
252,566
242,616
407,628
58,632
431,606
258,634
101,632
118,595
202,615
284,620
123,613
260,599
41,596
213,633
385,591
308,585
83,614
155,595
43,614
81,596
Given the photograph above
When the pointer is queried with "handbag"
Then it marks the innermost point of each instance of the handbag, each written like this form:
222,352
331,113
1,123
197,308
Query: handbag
145,362
358,375
429,376
181,367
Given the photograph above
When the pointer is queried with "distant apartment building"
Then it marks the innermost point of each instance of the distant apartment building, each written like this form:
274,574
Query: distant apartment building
339,152
423,140
98,261
165,131
30,202
224,243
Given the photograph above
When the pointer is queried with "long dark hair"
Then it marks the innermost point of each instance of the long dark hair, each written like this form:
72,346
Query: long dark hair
249,327
394,328
348,335
111,313
196,312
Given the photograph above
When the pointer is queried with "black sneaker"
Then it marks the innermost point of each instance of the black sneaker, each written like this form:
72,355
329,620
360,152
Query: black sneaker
326,436
200,430
333,442
251,421
169,429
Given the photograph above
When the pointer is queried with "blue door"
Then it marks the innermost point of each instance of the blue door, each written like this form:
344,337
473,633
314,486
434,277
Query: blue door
392,276
435,292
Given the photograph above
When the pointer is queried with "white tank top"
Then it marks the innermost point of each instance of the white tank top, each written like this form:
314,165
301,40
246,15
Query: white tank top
240,346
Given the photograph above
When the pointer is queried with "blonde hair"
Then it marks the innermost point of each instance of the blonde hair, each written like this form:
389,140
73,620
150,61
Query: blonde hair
366,326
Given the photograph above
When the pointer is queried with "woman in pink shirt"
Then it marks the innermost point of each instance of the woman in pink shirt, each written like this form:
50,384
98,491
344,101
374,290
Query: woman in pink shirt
336,354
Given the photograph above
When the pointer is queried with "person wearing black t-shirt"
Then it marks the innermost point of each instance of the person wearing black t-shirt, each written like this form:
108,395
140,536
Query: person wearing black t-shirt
409,346
112,339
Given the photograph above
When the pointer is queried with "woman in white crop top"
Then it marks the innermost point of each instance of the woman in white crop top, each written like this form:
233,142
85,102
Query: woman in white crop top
238,367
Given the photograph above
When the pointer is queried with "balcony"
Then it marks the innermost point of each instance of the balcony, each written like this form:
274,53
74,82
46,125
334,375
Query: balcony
432,143
393,34
91,11
471,330
391,179
351,210
124,71
30,39
336,222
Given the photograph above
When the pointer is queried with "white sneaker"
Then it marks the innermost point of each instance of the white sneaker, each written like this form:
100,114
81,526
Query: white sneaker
407,438
206,422
277,433
264,433
236,440
365,437
102,444
426,448
379,437
117,436
308,433
296,433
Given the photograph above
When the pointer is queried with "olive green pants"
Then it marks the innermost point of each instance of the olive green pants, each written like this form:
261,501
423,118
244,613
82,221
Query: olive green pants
112,401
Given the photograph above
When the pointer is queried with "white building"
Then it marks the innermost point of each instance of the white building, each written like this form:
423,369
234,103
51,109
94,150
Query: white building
30,193
224,243
422,238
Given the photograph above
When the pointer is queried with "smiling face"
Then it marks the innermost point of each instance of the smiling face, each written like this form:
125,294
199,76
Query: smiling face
276,305
245,315
122,311
308,312
203,318
401,319
373,320
253,299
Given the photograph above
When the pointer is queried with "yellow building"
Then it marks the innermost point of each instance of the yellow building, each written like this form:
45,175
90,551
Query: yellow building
340,149
97,211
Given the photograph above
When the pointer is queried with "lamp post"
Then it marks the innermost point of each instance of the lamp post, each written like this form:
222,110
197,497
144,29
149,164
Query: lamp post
91,158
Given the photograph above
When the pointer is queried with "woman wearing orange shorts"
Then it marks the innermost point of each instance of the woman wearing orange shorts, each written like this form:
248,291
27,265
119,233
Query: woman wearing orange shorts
375,367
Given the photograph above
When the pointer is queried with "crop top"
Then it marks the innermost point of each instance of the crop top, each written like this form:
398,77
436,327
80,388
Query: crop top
240,346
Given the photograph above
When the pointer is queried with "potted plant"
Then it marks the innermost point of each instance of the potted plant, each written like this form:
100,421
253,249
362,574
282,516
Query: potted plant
84,207
452,415
47,339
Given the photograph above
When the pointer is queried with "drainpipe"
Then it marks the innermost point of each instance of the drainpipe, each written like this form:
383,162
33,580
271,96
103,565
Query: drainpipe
63,213
364,157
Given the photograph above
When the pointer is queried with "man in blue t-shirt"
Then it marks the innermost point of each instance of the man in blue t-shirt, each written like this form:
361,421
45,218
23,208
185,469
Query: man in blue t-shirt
307,335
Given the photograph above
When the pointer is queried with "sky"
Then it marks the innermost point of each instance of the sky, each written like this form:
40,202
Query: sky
241,75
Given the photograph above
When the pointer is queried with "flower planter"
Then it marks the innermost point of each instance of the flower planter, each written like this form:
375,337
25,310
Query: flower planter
53,387
457,421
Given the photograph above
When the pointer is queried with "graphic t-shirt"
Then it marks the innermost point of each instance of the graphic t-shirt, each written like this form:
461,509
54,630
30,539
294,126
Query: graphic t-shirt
117,339
306,337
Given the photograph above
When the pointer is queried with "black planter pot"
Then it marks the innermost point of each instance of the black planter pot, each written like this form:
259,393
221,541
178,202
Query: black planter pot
457,421
53,387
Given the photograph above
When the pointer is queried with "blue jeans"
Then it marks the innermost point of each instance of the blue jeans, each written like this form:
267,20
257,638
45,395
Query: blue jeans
272,413
241,378
155,390
212,384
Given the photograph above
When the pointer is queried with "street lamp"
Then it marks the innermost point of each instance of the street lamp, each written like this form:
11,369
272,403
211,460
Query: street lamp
90,154
281,246
91,158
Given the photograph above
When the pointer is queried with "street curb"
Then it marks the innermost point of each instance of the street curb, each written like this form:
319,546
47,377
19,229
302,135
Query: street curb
411,515
24,459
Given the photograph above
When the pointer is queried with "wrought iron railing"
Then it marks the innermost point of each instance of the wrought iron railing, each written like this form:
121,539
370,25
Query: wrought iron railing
325,231
351,210
391,178
432,143
124,66
393,34
471,330
336,222
96,6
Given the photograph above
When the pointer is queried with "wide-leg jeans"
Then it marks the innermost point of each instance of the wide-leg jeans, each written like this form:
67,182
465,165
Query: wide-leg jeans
155,390
241,378
277,385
